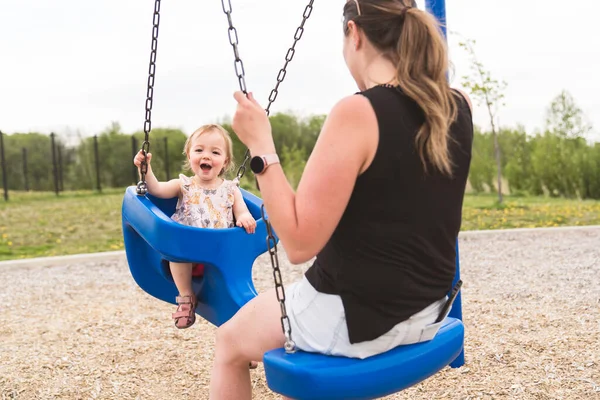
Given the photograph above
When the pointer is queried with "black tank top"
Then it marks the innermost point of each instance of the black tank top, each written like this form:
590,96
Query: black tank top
393,251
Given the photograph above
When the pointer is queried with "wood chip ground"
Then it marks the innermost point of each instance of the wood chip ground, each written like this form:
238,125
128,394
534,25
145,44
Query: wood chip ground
86,330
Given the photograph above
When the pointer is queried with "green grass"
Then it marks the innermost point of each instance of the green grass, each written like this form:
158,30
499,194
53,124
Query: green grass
484,212
41,224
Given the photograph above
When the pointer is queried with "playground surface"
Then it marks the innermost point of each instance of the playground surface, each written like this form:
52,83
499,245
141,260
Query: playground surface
85,330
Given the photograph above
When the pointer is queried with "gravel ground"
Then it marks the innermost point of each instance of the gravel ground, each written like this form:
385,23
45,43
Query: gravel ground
84,330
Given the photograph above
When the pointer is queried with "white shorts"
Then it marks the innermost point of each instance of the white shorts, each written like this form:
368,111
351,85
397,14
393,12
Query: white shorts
318,323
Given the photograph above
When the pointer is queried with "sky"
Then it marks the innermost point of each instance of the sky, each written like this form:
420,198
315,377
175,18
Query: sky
76,66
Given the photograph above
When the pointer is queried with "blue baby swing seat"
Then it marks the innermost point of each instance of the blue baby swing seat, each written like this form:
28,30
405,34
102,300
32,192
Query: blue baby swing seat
152,239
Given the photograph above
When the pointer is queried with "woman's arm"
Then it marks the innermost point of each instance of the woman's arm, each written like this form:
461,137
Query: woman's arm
304,221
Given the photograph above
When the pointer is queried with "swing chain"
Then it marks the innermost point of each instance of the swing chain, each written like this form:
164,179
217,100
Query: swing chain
289,346
142,187
239,64
289,55
233,40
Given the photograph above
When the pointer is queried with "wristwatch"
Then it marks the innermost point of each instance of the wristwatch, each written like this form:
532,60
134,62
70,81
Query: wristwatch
258,164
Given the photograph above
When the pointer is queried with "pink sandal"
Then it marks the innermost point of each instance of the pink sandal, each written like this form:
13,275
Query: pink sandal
185,316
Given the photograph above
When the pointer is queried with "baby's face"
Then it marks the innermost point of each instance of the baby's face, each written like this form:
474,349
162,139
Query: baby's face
208,156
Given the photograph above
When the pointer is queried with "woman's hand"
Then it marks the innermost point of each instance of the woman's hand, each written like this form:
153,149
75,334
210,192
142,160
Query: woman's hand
251,124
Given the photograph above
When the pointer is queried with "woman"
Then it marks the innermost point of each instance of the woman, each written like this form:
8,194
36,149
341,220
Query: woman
379,203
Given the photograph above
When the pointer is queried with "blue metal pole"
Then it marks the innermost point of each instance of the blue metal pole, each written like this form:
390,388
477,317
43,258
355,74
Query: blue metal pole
438,9
456,311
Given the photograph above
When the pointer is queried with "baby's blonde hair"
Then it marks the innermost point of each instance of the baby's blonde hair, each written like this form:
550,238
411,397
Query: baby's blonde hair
229,163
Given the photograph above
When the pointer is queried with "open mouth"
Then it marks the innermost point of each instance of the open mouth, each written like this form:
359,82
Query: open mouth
205,167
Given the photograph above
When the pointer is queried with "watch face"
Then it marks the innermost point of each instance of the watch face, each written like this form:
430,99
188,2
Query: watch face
257,164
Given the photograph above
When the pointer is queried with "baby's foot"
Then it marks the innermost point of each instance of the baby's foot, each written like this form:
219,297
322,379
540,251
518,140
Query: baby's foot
185,316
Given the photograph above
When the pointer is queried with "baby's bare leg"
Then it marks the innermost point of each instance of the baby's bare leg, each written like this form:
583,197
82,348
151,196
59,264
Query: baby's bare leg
182,276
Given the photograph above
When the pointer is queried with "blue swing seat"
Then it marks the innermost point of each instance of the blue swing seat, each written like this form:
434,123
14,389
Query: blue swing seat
152,238
310,376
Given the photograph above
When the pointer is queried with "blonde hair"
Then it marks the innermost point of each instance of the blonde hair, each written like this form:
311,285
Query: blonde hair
412,40
229,163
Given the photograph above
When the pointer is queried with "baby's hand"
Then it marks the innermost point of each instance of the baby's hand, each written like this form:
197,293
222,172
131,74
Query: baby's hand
247,222
139,157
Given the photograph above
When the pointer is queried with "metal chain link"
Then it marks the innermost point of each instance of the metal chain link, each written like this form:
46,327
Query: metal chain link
142,187
239,65
290,346
289,55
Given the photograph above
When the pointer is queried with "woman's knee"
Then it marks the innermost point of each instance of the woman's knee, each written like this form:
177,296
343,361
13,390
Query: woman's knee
254,329
226,334
229,341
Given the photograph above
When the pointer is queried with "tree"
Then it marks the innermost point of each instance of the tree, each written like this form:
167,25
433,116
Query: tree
39,160
295,139
481,174
293,160
562,156
565,119
488,92
516,163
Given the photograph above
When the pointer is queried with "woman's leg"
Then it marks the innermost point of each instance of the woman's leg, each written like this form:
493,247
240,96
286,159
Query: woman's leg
254,330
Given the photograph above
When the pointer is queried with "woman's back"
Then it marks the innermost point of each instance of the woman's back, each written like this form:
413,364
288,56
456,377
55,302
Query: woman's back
392,253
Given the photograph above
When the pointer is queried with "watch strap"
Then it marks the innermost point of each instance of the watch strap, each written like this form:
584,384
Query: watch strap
270,159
